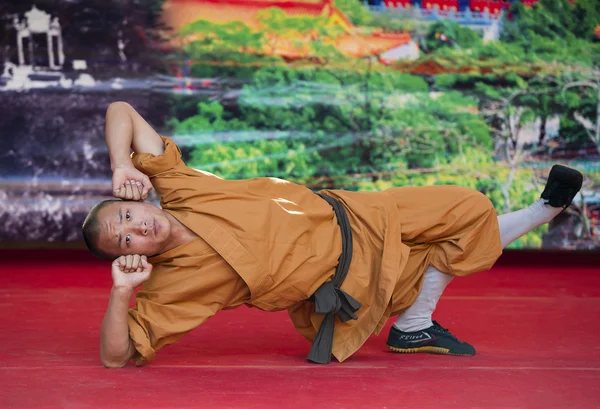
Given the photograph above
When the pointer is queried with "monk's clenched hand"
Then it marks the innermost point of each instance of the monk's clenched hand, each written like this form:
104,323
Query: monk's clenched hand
128,183
130,271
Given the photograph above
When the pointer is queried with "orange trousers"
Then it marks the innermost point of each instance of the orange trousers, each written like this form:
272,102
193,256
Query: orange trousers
452,228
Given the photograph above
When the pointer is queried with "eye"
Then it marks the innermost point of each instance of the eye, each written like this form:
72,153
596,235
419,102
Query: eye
127,215
128,239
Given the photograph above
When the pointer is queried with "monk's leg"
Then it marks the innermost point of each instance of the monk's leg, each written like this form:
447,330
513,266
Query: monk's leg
516,224
414,329
452,231
511,226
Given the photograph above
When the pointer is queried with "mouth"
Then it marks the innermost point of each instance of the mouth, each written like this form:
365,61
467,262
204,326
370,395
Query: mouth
155,227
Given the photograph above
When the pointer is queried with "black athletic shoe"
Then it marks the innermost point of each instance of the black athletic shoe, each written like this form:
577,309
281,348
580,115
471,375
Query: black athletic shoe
434,340
562,186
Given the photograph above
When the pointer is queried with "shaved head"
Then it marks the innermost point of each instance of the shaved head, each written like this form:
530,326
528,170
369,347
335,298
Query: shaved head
92,228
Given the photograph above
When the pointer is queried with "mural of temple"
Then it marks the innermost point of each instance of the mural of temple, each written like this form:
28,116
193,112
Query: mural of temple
385,46
178,13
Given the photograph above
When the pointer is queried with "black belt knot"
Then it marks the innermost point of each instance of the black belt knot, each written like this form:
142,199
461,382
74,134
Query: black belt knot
329,299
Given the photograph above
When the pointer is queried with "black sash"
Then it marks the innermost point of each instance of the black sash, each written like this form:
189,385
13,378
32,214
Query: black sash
329,299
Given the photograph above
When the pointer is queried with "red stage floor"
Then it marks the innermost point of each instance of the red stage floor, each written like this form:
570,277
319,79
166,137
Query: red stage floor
535,329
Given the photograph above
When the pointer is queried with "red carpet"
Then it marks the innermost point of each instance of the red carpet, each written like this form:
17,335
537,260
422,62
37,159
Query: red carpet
535,330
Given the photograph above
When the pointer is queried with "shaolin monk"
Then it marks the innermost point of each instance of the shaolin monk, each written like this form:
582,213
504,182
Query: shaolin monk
341,263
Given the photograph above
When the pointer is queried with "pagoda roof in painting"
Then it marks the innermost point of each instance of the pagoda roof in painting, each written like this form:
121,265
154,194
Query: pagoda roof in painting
178,13
356,42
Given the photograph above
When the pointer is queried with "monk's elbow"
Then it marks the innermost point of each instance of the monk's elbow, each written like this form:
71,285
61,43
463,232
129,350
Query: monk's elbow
118,106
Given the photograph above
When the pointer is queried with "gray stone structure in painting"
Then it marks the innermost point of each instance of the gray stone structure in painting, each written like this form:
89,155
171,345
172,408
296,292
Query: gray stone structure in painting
37,21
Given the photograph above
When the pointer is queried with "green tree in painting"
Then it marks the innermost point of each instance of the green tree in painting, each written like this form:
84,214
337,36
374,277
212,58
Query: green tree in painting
339,130
228,49
231,148
585,105
258,158
552,19
334,103
432,129
308,37
355,11
210,117
558,30
587,18
446,33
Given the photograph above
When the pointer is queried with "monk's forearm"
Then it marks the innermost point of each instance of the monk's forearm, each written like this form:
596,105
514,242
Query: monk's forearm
116,348
119,133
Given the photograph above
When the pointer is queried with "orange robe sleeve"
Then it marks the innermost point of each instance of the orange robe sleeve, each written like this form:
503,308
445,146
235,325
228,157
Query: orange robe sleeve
171,178
166,309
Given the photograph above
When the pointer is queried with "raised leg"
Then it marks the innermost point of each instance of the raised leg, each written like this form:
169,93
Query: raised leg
415,331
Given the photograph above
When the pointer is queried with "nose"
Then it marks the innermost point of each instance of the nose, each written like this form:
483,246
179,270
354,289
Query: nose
144,228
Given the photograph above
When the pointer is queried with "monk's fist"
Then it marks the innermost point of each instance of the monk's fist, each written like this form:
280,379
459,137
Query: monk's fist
128,183
130,271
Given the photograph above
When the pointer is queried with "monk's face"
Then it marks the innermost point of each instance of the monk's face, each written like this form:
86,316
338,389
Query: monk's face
130,227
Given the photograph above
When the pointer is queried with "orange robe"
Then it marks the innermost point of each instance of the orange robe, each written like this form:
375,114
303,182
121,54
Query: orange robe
270,244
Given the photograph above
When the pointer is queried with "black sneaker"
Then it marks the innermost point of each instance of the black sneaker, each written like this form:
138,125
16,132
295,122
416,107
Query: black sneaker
562,186
434,340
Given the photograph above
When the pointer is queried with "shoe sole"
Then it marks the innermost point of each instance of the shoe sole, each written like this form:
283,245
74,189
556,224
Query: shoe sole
566,175
428,350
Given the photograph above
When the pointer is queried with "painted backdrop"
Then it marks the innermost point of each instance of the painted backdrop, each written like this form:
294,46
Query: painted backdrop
327,93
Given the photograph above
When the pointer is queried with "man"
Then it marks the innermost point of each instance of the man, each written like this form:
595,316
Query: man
340,262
